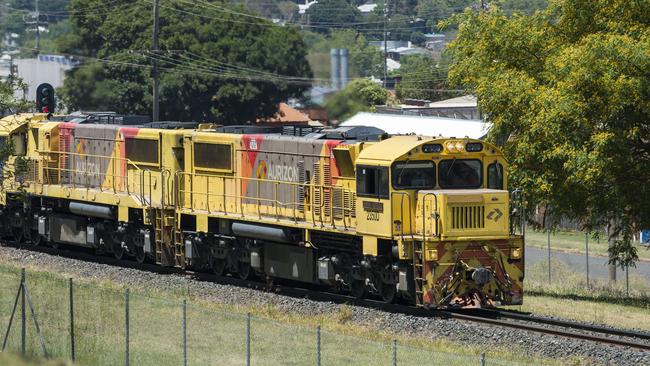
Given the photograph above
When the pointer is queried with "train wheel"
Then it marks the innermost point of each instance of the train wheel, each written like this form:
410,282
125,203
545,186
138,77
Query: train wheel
244,270
18,233
388,292
37,239
140,255
358,289
118,250
218,266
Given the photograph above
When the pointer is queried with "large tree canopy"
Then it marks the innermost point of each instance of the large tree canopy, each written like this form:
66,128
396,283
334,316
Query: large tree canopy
568,91
216,63
423,78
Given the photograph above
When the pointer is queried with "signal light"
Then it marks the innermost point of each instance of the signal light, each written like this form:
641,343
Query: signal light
45,102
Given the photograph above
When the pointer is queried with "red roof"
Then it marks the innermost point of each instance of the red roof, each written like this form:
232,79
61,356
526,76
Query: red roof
286,114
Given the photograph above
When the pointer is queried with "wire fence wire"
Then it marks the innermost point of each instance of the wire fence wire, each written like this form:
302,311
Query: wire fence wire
96,325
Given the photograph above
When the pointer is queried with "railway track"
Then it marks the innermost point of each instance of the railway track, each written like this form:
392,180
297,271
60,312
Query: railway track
494,317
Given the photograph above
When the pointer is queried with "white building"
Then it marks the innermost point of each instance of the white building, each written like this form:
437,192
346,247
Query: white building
43,69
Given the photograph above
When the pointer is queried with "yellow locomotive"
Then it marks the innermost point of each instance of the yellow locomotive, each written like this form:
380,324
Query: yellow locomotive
420,218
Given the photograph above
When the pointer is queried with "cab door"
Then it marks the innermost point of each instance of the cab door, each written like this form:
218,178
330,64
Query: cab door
373,200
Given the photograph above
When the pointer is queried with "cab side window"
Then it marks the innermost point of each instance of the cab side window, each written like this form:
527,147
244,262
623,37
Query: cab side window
495,176
372,181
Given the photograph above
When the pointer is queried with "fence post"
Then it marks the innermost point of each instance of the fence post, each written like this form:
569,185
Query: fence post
587,255
248,339
482,358
318,346
72,351
126,324
23,320
548,241
184,332
394,352
627,281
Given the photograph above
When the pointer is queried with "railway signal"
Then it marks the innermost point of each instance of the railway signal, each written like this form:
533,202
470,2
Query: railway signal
45,102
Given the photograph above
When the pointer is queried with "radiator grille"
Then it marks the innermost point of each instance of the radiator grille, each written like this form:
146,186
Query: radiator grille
468,217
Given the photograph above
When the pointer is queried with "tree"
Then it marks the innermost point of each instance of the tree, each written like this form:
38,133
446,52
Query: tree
327,14
567,90
423,78
215,65
359,95
522,6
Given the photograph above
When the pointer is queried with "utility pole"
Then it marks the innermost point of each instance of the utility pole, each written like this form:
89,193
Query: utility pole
156,76
38,26
33,19
385,44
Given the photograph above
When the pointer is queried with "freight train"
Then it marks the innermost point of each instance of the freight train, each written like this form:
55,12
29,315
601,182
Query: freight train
427,220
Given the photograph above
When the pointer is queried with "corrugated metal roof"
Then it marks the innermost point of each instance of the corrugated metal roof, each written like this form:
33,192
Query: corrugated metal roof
396,124
466,101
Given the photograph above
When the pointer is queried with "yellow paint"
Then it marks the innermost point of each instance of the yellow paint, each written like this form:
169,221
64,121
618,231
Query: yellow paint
123,213
202,223
370,245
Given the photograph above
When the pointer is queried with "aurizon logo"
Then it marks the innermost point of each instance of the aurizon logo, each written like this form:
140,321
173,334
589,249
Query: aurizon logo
261,170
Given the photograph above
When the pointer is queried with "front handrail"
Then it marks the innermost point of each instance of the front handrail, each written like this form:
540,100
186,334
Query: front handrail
435,215
517,198
392,221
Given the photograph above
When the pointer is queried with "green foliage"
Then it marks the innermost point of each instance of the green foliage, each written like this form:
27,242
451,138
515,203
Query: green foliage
418,38
332,13
521,6
359,95
568,92
194,85
423,78
8,103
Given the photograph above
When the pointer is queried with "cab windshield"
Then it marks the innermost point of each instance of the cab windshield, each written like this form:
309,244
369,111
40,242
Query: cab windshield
460,173
414,175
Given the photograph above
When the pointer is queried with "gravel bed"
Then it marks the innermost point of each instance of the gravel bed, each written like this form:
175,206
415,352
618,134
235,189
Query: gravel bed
434,328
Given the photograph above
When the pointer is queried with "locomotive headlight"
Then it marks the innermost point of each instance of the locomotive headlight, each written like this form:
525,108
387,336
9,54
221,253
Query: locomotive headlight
515,253
459,146
451,147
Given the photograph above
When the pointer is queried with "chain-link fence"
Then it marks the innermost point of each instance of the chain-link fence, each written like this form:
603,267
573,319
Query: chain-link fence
98,325
580,260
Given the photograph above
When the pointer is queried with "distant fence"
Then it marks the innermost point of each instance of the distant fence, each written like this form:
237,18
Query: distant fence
578,244
94,325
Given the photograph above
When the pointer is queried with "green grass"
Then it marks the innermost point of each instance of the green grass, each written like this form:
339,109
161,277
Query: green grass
16,360
574,241
568,296
216,333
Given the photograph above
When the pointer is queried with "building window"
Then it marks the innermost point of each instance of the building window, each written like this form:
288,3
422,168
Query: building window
372,181
141,150
213,156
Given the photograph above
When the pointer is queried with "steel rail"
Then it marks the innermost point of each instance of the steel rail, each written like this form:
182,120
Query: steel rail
559,332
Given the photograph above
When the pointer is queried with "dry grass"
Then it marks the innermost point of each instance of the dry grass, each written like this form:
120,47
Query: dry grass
216,333
568,296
